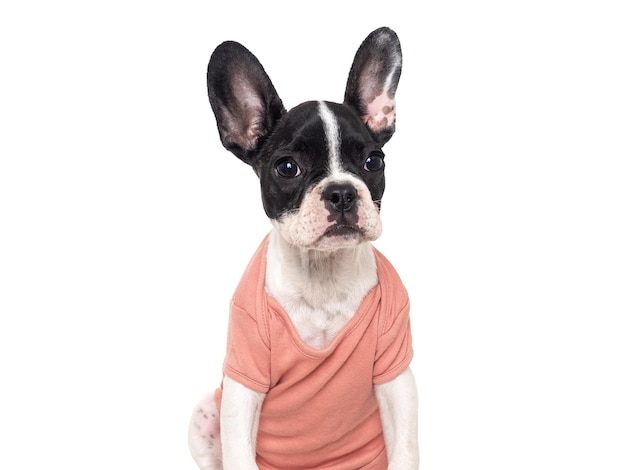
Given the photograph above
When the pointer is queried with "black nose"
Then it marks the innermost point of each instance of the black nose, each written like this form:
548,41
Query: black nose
340,197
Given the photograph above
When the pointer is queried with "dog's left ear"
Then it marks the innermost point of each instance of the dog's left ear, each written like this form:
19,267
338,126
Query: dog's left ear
244,101
373,81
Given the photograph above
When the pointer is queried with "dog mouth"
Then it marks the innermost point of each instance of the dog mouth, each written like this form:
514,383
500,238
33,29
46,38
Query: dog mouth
343,230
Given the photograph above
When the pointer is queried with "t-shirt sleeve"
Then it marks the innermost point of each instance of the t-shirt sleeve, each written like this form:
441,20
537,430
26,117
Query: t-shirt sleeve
394,350
247,354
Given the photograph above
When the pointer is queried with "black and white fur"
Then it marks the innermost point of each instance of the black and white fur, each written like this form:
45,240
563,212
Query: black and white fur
321,169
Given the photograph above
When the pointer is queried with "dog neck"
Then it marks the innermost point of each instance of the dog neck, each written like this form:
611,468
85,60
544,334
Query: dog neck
319,290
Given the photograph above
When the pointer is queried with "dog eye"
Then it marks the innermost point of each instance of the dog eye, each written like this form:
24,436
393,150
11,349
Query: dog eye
374,162
287,168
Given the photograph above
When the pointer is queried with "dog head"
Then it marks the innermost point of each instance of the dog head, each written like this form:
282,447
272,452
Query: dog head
320,165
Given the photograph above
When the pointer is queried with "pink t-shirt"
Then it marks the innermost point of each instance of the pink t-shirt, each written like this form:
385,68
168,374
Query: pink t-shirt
320,410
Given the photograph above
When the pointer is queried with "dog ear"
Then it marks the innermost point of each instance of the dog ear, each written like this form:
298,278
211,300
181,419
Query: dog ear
373,81
243,99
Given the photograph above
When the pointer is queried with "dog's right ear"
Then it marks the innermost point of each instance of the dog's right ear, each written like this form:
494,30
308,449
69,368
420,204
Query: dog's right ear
373,80
244,101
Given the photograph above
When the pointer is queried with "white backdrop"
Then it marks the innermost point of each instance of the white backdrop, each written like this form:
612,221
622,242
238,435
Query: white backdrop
125,225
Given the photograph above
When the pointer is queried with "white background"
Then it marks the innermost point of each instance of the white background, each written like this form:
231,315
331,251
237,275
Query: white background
125,225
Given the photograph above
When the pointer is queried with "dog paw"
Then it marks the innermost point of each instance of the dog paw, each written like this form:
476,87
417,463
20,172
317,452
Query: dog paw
204,435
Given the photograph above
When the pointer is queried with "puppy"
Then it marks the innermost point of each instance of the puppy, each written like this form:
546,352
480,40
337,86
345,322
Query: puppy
317,372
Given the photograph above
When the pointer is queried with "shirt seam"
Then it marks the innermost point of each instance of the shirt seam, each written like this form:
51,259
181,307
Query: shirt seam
262,386
395,371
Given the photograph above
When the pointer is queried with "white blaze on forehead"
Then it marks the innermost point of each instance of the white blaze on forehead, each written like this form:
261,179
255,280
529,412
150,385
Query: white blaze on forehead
331,129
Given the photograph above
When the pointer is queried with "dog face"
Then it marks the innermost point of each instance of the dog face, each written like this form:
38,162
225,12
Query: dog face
320,165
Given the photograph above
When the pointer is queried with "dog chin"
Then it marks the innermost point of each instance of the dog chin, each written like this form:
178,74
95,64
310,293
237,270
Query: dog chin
331,238
337,242
339,236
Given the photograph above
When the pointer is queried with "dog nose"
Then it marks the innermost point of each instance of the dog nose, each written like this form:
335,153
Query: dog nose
341,197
